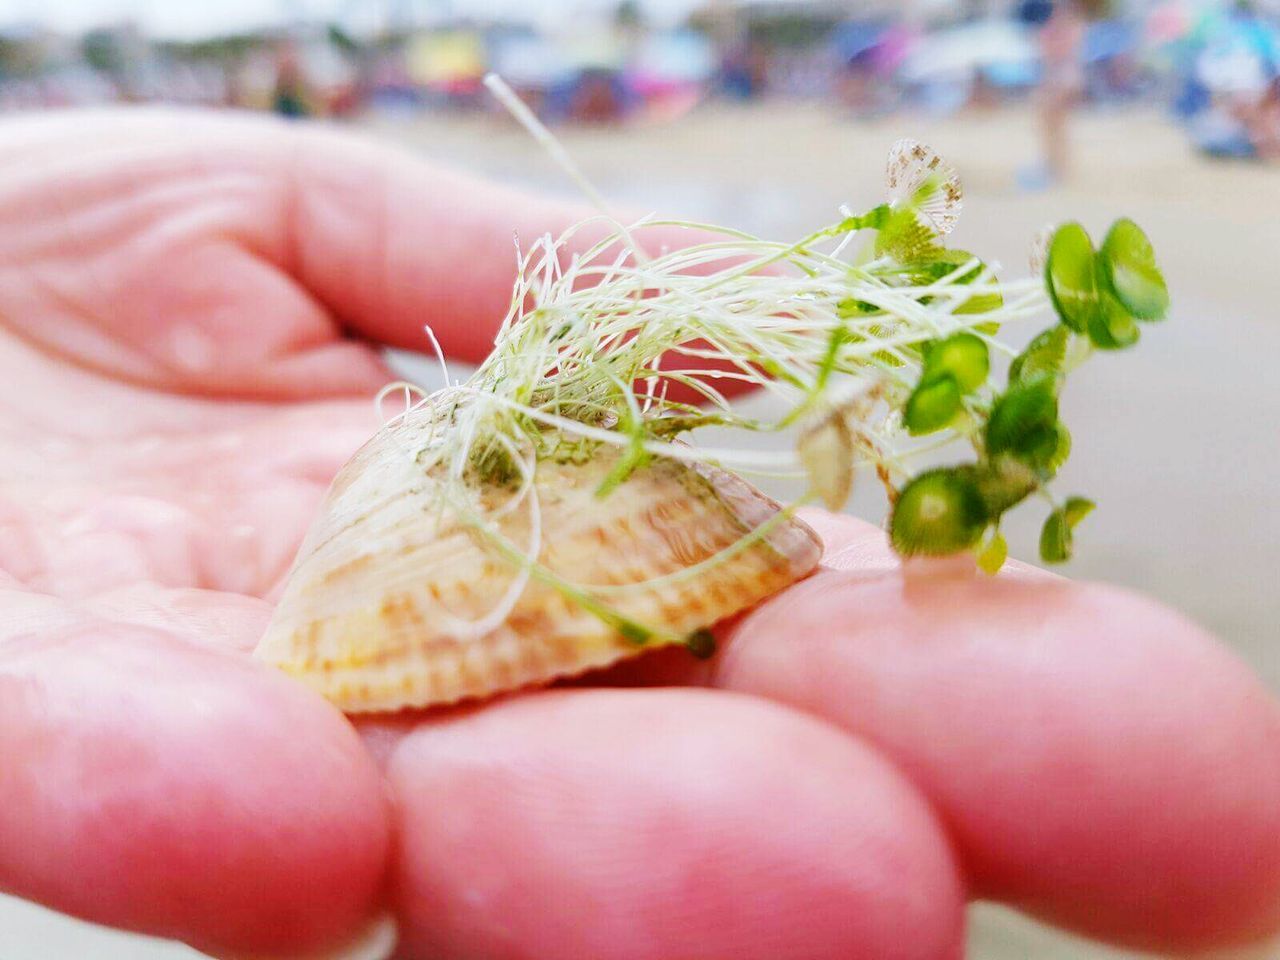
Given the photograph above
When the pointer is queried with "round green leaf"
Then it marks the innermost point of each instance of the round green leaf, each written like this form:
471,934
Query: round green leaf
962,355
1128,265
1056,534
1003,482
938,513
1023,424
933,405
1112,327
1070,275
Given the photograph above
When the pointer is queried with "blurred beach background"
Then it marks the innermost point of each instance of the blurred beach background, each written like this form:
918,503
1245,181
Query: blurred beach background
767,116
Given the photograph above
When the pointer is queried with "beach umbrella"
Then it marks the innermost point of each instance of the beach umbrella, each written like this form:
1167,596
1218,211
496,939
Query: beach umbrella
960,52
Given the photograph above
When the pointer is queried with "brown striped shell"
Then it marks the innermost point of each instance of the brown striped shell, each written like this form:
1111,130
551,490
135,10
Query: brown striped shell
373,613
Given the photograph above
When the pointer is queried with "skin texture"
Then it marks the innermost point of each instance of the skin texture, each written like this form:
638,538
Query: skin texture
187,307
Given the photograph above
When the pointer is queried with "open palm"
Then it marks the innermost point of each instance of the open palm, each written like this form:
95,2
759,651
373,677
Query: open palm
180,297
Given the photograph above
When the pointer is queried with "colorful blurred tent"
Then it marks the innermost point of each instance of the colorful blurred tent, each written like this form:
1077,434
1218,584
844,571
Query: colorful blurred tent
447,61
856,39
1239,55
670,72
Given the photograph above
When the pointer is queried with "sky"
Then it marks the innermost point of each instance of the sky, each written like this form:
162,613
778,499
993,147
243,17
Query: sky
196,18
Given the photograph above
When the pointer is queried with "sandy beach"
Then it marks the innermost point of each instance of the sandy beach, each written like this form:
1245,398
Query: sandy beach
1176,440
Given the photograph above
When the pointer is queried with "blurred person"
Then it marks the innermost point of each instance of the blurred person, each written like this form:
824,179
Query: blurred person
1061,87
191,307
742,71
1264,123
291,97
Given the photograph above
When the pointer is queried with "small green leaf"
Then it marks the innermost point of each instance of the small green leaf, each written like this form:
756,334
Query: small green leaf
1128,265
1004,483
938,513
992,552
933,405
1056,534
1076,509
1070,274
1043,357
1111,327
904,238
1023,424
1055,539
941,261
982,303
853,307
873,219
1063,449
962,355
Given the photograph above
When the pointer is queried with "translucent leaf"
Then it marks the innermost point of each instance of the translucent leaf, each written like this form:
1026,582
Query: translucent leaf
1039,251
939,512
906,238
1042,357
982,303
826,451
933,405
1070,275
916,176
1128,265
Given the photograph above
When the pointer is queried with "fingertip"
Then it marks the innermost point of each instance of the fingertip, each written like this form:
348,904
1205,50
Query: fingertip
184,793
1099,759
662,823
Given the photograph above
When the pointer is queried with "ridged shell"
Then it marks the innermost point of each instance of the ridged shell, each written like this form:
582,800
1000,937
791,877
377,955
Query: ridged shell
368,616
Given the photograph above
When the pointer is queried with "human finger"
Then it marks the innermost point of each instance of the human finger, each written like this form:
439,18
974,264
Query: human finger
1099,760
187,793
661,824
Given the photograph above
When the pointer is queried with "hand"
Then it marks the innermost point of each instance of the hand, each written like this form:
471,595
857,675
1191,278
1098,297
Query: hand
187,304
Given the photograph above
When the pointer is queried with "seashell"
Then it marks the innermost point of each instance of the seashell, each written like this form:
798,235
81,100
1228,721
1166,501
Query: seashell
375,612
